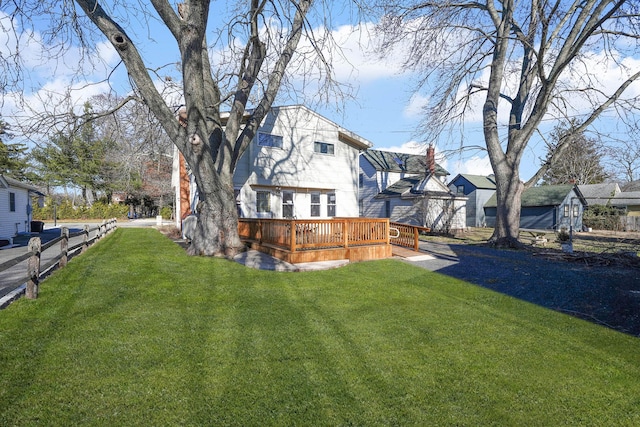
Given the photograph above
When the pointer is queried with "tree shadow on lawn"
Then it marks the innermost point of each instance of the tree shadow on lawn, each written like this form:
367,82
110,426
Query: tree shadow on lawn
607,295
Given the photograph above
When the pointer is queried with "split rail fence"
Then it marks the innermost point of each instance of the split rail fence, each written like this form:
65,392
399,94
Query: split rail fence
35,271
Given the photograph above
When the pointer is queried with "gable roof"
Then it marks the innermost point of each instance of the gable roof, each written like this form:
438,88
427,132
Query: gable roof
599,194
409,187
478,181
545,195
7,182
389,161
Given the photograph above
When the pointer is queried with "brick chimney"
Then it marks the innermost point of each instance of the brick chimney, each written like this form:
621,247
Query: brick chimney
431,159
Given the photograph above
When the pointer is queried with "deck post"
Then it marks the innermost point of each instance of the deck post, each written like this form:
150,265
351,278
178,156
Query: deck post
345,232
292,242
416,239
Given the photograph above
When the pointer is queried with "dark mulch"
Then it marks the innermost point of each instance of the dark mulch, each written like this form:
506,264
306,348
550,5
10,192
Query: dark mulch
603,291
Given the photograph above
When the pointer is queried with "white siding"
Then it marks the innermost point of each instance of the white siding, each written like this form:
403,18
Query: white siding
297,167
12,223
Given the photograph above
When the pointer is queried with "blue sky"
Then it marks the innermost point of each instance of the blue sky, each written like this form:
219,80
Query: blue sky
385,109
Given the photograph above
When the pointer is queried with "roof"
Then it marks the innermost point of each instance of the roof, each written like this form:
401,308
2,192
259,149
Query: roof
599,194
479,181
408,186
389,161
627,198
545,195
6,182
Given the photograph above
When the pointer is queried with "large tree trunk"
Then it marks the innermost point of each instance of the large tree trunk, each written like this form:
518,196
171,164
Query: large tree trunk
216,232
509,190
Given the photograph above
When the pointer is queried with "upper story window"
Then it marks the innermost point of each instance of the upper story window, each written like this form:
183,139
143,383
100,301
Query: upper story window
460,189
12,202
323,148
269,140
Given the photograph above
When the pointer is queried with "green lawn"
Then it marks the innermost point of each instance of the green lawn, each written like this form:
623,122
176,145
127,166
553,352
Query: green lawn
135,332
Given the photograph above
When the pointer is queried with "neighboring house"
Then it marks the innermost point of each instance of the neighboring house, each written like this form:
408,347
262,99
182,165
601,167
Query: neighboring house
15,206
599,194
478,189
408,188
548,207
629,203
300,165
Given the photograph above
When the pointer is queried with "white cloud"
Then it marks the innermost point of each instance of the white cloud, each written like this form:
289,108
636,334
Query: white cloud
410,147
475,165
415,108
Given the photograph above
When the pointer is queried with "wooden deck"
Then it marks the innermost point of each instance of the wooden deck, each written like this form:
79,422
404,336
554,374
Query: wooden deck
311,240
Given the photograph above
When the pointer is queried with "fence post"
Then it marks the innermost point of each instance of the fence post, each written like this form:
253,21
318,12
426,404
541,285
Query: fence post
103,228
416,239
33,268
64,246
85,238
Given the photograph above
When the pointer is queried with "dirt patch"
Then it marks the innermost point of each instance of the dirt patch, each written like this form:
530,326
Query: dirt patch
600,288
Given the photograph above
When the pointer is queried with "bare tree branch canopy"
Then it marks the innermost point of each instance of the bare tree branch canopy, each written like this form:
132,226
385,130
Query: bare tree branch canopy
254,45
519,63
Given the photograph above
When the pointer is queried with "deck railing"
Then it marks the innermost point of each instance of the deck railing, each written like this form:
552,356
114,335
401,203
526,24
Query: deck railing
304,234
406,235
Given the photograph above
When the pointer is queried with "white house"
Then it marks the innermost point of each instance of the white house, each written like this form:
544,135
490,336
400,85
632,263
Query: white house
15,206
300,165
410,189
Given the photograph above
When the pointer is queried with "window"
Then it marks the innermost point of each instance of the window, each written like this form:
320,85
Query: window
12,202
576,210
565,212
460,189
236,195
323,148
263,201
361,180
315,204
387,208
268,140
331,204
287,204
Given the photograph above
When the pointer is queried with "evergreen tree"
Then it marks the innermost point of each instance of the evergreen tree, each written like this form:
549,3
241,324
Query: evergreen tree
13,158
581,160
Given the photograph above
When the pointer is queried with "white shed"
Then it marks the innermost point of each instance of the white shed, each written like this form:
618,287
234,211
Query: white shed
15,206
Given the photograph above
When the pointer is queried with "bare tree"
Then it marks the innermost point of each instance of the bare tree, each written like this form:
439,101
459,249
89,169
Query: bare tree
522,62
625,159
224,102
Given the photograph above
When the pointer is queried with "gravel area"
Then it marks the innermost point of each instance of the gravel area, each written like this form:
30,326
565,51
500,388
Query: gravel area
608,295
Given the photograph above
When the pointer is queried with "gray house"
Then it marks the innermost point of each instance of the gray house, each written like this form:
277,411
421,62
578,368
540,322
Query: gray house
548,207
599,194
478,189
408,188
